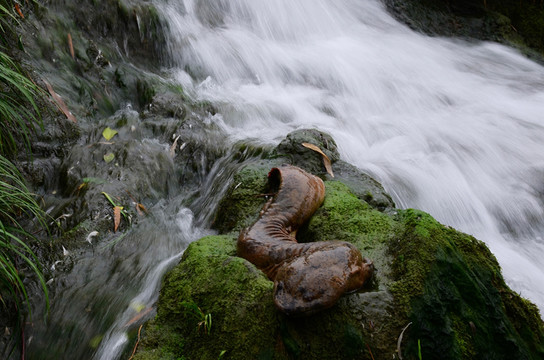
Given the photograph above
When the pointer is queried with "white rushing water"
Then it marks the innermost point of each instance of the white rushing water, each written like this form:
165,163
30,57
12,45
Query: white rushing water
452,128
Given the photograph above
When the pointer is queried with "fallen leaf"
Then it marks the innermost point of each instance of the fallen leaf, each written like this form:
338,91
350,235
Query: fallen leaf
108,133
116,217
109,157
71,46
326,160
141,209
137,306
93,180
95,341
60,103
173,147
90,237
138,316
81,187
18,9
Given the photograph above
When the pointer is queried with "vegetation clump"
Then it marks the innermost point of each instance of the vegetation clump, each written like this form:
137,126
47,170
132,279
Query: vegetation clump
20,117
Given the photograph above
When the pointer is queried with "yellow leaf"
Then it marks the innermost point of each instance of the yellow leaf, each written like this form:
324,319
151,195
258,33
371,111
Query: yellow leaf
116,217
138,307
108,133
326,160
109,157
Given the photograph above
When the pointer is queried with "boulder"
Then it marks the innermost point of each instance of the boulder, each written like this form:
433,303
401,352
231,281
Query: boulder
437,293
515,23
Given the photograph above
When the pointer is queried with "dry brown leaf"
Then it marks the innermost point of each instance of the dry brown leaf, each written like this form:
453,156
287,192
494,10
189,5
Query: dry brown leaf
18,9
141,209
71,46
60,103
116,217
81,187
138,316
326,160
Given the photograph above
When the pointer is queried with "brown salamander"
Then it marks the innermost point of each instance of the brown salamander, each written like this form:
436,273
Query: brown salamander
308,277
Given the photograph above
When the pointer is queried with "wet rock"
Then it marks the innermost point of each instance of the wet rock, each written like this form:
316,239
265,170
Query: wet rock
307,159
244,198
96,56
509,22
445,283
363,186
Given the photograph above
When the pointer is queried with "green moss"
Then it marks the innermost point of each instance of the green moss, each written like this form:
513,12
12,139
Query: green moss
145,91
244,199
449,283
345,217
233,291
446,283
527,19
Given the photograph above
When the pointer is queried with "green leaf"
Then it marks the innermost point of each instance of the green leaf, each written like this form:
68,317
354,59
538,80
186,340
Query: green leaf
109,199
108,133
93,180
109,157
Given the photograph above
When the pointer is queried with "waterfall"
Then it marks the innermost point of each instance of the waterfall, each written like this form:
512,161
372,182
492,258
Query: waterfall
447,126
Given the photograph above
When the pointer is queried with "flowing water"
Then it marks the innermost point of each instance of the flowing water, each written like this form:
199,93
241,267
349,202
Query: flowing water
449,127
452,128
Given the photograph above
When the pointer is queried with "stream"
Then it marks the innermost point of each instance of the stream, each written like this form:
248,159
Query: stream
450,127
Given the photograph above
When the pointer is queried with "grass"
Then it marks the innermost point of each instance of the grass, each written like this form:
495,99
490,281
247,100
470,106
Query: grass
19,113
204,320
16,201
19,118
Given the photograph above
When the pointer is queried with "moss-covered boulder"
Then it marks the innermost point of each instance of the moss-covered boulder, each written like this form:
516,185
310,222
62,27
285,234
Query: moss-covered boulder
442,287
227,310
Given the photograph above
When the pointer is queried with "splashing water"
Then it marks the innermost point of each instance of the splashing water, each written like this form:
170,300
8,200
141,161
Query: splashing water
450,127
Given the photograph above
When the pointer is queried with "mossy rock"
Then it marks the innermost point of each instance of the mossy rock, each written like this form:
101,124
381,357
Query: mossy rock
451,287
245,197
445,283
212,280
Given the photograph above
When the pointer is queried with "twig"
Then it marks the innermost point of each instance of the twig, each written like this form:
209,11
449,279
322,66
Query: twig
400,340
71,46
370,351
137,342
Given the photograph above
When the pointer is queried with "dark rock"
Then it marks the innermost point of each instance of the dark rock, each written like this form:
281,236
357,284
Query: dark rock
363,186
509,22
307,159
